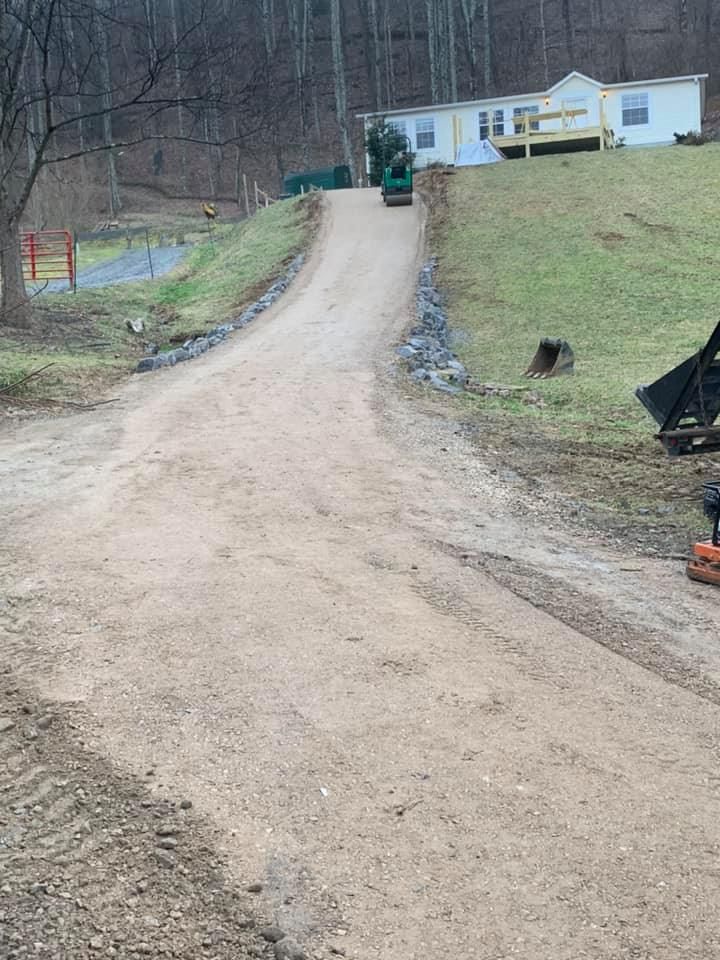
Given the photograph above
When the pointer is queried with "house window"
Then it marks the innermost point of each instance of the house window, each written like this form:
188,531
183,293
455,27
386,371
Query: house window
425,134
635,109
497,118
398,127
520,112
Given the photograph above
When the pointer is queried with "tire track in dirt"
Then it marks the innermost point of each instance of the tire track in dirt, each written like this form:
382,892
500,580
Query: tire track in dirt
93,864
568,605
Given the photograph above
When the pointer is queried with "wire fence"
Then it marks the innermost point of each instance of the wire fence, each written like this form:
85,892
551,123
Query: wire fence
93,247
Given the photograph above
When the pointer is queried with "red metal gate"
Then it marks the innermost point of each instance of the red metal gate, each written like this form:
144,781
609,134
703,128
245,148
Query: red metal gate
48,255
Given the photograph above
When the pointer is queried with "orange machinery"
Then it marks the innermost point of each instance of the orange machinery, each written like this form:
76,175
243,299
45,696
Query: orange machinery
704,564
686,404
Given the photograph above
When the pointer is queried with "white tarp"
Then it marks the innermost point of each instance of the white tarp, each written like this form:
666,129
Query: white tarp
474,154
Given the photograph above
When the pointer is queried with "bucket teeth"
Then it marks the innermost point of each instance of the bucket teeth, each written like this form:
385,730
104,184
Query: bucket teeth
552,359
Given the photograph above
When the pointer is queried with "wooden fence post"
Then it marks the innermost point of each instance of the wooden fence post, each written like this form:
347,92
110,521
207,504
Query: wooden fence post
247,195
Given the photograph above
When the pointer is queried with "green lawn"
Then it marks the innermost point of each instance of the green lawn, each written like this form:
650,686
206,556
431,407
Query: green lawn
216,277
618,253
85,334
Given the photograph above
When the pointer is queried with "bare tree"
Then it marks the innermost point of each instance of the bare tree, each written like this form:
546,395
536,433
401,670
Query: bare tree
569,25
175,34
433,52
389,56
338,56
103,27
544,45
74,82
376,56
452,44
310,19
468,8
707,21
441,19
298,42
487,48
411,37
683,16
268,24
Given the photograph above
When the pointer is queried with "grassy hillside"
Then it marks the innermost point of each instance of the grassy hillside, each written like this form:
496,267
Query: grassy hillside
618,253
85,335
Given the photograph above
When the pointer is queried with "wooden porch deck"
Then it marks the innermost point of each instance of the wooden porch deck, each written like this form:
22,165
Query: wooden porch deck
568,132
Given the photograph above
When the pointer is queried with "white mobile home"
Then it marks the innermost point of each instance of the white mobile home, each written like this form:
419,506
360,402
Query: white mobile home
577,113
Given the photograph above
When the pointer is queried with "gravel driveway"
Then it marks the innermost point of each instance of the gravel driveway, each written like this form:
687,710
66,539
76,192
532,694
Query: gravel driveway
272,585
127,268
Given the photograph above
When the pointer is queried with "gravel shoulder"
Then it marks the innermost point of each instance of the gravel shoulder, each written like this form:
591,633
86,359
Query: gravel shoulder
278,584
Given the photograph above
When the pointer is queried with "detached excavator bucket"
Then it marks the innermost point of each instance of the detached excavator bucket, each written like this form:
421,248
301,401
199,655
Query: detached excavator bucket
686,402
553,358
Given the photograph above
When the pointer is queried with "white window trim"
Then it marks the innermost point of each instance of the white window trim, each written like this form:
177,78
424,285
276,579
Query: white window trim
530,109
632,126
418,148
495,118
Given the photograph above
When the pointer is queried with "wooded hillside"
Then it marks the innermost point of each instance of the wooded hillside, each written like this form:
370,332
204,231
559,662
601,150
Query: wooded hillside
274,85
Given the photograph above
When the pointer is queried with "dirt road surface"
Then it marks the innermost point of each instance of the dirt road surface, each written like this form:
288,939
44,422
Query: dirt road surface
271,584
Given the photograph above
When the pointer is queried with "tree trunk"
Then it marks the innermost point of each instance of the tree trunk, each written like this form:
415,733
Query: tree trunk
33,132
152,43
268,25
487,48
212,186
452,51
389,59
597,31
310,13
338,58
441,32
683,16
15,304
708,24
624,67
544,41
432,50
469,10
298,40
178,94
75,76
212,124
569,32
410,37
376,52
114,200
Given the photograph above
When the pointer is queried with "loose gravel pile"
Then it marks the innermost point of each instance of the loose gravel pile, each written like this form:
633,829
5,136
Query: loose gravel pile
93,865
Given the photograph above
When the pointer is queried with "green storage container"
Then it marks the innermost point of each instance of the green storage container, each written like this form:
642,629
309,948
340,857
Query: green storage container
329,178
